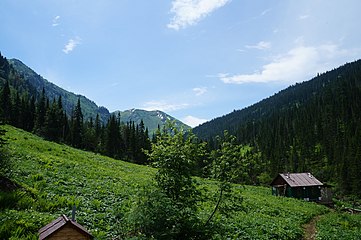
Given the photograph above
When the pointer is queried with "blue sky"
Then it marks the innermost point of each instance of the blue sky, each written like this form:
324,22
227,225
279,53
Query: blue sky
194,59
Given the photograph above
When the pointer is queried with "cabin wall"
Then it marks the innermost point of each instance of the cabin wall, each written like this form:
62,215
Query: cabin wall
311,193
68,232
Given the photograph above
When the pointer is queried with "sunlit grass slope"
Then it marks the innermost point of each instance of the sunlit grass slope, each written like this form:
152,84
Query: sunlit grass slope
58,176
54,177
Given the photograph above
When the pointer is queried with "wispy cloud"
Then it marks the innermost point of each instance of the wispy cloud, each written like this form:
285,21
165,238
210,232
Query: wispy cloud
71,45
193,121
303,17
260,46
200,91
266,11
190,12
164,106
55,21
296,65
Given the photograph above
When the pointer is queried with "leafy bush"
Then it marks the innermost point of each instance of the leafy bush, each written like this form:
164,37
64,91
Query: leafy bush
155,215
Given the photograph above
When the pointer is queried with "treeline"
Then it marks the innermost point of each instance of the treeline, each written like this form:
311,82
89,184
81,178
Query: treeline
313,126
46,117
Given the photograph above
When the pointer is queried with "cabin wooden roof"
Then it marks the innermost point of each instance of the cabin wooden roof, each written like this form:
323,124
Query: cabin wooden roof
59,223
298,179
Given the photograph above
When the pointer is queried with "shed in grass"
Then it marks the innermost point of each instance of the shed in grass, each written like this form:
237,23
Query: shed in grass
298,185
62,229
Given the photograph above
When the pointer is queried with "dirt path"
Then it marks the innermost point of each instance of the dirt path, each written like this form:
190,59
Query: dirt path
310,229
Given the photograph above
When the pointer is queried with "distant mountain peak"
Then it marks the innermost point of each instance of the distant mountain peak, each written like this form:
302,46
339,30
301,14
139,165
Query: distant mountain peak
151,119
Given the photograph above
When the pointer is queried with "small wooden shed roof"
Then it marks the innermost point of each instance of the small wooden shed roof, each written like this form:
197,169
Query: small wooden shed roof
297,179
58,224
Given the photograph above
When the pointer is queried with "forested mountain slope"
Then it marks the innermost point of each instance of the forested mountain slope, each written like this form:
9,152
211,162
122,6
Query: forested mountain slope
32,83
37,83
311,126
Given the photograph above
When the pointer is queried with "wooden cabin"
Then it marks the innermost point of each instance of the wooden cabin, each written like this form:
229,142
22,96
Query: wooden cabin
298,185
64,229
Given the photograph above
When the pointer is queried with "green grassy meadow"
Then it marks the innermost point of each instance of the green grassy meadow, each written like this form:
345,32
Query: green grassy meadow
54,177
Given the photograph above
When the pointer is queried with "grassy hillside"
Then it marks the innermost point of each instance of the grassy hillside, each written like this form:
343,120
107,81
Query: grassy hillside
57,176
53,177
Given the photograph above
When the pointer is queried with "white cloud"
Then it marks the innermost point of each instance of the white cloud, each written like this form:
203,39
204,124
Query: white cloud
303,17
266,11
193,121
55,21
296,65
200,91
163,106
190,12
72,43
260,46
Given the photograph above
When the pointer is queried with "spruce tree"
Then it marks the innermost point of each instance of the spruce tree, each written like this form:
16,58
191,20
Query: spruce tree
40,113
77,126
113,138
5,103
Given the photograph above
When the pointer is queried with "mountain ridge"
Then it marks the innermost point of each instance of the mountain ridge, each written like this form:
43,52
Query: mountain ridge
311,126
90,108
152,119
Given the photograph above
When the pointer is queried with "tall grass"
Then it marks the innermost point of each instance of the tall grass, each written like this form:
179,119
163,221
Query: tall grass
339,226
55,177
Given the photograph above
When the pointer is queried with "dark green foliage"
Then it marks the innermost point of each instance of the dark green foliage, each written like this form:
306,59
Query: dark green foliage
155,215
76,126
54,120
40,113
5,103
113,140
234,163
168,210
308,127
4,67
174,156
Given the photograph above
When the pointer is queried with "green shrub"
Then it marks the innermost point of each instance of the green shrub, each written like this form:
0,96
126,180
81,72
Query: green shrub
154,215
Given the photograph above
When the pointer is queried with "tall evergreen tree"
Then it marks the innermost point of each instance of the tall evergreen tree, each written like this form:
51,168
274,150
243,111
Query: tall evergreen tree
5,103
77,126
40,113
90,140
113,138
53,121
16,111
4,67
